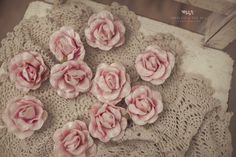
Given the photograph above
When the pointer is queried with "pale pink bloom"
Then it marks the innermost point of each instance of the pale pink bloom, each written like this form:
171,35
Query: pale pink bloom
111,83
104,31
27,70
107,122
144,105
73,140
70,78
154,64
65,44
24,115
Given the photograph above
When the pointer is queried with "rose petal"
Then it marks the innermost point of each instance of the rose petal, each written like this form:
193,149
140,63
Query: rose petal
133,110
106,122
73,139
104,31
146,68
66,44
111,83
144,105
71,78
23,115
27,70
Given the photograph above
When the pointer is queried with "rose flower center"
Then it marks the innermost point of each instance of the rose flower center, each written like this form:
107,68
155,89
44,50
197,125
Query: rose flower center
74,77
66,45
112,81
29,73
151,63
108,120
73,141
27,113
104,31
144,105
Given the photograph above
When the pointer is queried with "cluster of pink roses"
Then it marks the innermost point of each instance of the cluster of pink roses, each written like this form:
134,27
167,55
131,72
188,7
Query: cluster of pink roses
111,84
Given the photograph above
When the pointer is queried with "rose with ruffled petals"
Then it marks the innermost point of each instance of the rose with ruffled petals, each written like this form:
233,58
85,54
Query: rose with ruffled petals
144,105
104,31
27,70
107,122
155,64
73,140
65,44
111,83
24,115
71,78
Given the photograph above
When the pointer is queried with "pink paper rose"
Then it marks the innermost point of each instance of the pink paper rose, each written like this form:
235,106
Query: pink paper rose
144,105
155,64
73,140
111,83
65,44
107,122
105,31
27,70
24,115
71,78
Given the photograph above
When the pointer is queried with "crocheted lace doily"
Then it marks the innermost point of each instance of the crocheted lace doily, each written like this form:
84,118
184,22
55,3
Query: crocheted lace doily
192,124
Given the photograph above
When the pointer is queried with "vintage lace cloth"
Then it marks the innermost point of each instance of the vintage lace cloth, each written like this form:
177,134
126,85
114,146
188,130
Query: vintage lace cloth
192,123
